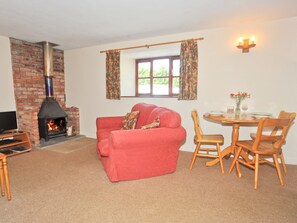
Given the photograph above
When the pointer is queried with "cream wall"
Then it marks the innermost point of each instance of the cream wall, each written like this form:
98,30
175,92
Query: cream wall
127,66
268,72
7,100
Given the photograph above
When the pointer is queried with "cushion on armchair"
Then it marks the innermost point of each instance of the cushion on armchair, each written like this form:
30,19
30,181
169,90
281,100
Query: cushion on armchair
154,124
130,120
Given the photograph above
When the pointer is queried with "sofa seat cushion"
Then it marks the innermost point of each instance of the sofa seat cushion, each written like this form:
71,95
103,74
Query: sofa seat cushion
103,147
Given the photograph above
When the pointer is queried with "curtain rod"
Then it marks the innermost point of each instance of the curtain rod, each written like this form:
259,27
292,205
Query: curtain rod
149,45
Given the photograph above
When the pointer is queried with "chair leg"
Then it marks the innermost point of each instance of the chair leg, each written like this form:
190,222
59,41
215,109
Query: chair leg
235,158
1,179
283,162
220,158
195,155
238,169
280,177
6,177
256,171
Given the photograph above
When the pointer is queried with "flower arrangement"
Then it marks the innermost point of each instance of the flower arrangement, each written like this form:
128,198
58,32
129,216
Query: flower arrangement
239,97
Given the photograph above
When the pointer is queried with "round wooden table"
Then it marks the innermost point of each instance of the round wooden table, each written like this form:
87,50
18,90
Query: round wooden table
245,119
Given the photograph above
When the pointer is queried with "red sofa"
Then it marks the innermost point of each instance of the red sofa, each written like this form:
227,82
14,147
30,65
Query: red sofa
140,153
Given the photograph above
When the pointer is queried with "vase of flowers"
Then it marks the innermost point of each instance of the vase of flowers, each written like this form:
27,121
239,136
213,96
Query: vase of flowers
239,97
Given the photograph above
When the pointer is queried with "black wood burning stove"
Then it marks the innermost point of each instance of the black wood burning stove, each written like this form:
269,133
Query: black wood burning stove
52,119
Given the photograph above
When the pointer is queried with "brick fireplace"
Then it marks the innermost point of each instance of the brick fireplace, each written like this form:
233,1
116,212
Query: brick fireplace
29,86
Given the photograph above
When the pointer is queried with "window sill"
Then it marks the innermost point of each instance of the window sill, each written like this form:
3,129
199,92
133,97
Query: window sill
150,96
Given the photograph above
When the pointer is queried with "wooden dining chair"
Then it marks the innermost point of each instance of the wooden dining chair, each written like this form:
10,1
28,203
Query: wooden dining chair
209,140
282,114
262,147
4,178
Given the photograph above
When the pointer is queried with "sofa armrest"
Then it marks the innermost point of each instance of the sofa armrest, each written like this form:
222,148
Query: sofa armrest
141,138
109,122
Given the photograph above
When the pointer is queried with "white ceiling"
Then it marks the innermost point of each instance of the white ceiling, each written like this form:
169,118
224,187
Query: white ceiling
81,23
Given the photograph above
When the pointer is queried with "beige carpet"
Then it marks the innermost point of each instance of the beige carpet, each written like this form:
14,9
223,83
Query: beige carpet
49,186
72,145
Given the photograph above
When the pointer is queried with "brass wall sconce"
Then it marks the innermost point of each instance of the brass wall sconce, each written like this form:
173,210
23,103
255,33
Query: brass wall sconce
246,44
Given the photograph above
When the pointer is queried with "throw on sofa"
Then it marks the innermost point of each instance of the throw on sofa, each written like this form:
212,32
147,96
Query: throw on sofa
151,149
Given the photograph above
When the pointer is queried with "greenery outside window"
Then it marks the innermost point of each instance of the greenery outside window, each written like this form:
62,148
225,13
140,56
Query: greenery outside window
157,77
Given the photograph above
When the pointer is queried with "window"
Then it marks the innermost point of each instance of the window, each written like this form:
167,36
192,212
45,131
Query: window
157,76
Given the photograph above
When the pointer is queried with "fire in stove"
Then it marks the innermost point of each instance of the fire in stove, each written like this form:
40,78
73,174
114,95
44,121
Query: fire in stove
56,126
51,126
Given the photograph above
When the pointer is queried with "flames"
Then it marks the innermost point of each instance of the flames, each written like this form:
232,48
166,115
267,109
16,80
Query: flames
55,127
52,126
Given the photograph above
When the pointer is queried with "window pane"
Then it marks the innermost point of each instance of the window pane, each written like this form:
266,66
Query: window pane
161,68
144,69
175,85
161,86
176,66
144,86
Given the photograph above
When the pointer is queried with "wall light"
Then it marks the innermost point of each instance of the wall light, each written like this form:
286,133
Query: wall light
246,44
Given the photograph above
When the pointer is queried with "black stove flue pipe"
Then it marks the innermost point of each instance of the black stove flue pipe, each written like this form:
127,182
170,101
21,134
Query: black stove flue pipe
48,68
49,87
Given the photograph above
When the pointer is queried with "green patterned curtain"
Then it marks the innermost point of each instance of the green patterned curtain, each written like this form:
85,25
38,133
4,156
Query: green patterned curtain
188,70
113,84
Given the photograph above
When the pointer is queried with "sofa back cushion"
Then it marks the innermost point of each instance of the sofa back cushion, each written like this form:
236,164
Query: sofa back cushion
144,113
168,118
